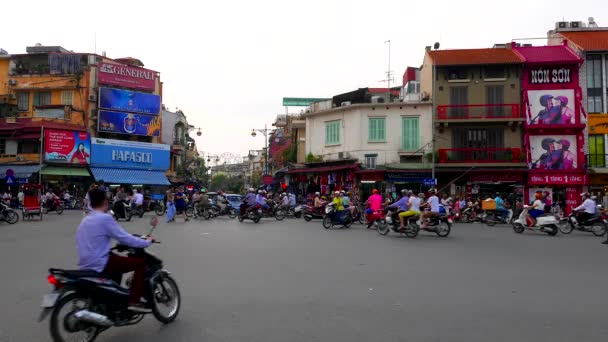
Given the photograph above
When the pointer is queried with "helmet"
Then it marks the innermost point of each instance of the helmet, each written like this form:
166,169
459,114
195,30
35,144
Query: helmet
421,195
260,192
563,100
565,144
317,193
585,194
410,192
404,191
337,193
546,142
544,99
251,190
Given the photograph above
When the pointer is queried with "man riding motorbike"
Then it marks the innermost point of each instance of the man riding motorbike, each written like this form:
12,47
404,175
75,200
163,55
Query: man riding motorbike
137,201
337,201
318,203
501,211
433,204
587,209
261,200
403,204
93,240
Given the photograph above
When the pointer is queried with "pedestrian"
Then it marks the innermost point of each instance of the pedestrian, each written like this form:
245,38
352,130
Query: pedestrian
180,203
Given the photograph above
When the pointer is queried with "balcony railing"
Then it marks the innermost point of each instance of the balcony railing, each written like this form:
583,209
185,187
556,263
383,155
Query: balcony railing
478,111
480,155
597,160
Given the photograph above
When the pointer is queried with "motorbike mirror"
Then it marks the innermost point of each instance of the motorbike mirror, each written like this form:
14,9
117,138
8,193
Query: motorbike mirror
154,222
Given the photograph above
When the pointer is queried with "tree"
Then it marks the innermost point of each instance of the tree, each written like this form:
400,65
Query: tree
311,158
222,181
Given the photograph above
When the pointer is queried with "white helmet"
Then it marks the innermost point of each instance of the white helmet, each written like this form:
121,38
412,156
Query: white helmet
251,190
317,193
260,191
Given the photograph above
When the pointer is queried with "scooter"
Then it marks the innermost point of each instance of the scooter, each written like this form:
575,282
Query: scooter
494,218
311,212
121,210
596,225
8,214
546,223
333,217
53,205
391,222
246,213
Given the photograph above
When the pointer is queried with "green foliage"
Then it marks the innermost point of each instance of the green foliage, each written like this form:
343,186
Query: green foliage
311,158
222,181
290,155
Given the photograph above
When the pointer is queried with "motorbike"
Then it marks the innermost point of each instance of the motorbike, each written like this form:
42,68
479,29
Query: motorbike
85,303
250,213
297,211
8,214
596,224
73,202
334,217
53,205
157,206
359,214
121,210
311,212
545,223
493,218
391,222
214,211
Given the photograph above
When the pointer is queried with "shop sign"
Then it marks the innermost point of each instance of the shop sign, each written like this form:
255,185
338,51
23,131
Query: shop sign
129,101
572,198
550,76
556,179
126,76
67,147
397,177
598,124
371,176
494,178
129,123
129,154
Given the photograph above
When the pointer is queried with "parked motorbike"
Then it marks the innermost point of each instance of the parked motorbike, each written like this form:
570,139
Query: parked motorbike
596,224
334,217
311,212
121,210
157,207
391,222
8,214
214,211
250,213
85,303
493,218
546,223
53,205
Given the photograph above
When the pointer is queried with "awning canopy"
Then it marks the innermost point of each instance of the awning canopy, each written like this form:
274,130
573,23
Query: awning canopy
323,169
129,176
21,171
65,171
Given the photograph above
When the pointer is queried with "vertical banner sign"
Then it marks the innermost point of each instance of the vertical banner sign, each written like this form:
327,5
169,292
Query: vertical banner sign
571,200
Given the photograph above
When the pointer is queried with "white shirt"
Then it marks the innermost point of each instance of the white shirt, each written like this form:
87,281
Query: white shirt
139,199
538,205
588,206
415,203
434,202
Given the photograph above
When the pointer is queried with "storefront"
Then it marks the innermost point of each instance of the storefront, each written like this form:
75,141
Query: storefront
323,178
554,127
397,180
137,164
486,184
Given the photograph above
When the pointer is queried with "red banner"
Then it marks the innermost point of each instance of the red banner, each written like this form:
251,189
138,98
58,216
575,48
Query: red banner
557,179
572,198
498,177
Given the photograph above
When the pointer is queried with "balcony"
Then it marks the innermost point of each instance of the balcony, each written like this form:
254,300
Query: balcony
494,112
487,156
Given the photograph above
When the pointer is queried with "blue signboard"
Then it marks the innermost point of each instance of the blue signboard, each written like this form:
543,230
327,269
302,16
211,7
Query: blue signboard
429,181
406,177
129,123
129,154
129,101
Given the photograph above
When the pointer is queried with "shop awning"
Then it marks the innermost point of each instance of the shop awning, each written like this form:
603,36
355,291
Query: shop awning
65,171
323,169
130,176
21,171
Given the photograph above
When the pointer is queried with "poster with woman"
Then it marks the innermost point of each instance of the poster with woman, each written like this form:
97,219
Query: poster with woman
67,147
546,195
553,152
551,107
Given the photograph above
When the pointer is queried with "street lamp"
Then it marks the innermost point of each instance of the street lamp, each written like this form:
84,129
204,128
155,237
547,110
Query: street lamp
265,133
434,112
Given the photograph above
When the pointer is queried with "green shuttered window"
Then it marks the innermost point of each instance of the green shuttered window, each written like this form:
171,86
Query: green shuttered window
332,132
377,129
411,134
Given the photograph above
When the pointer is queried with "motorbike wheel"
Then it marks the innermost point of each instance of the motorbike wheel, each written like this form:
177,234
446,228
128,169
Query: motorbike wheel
164,291
298,214
257,219
443,229
12,217
327,222
59,209
348,221
382,227
307,218
279,215
128,215
490,222
159,210
207,215
553,231
518,228
566,227
241,218
232,213
465,218
45,210
412,231
598,229
64,326
189,211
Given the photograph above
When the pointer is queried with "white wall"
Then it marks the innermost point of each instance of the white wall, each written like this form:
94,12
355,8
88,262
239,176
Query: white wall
354,131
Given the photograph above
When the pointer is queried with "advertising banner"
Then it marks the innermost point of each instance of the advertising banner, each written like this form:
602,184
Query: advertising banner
553,152
129,123
598,124
556,179
572,199
126,76
129,154
552,107
67,147
129,101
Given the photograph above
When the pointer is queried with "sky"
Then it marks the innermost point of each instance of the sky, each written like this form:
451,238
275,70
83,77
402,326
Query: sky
228,64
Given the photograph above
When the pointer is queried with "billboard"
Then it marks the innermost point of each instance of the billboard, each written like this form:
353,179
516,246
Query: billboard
128,123
553,152
126,76
129,154
67,147
129,101
551,107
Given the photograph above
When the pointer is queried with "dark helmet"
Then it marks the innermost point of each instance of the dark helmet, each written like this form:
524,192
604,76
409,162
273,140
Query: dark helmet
546,142
544,99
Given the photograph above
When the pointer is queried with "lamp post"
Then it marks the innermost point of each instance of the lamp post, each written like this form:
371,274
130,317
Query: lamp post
434,112
265,133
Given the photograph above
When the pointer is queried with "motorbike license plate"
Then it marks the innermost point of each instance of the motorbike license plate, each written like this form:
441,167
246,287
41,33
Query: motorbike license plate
49,300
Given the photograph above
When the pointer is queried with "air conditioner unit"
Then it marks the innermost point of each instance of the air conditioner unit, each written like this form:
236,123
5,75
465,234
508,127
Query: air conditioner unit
343,155
12,96
12,82
345,103
377,99
92,97
577,24
562,24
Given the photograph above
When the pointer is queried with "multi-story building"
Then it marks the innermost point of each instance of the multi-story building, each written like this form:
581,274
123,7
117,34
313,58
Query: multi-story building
591,44
478,122
175,130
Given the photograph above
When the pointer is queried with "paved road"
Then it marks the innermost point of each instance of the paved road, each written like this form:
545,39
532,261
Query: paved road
295,281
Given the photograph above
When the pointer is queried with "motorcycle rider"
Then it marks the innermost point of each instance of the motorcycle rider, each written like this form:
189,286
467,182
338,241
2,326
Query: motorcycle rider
50,199
501,211
413,208
538,208
292,200
375,205
433,204
587,209
261,200
137,201
120,199
203,201
402,205
220,201
318,203
337,201
93,241
249,201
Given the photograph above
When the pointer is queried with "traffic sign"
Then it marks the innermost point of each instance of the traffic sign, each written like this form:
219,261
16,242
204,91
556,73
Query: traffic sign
10,180
429,181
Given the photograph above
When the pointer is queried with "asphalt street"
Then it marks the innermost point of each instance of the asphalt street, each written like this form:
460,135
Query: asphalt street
295,281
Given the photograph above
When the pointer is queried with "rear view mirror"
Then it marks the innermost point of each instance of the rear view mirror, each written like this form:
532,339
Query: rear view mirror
154,221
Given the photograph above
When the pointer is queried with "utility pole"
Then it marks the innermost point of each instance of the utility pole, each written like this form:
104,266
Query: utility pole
434,111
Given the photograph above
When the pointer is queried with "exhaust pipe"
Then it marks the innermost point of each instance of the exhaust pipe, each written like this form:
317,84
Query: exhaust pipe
94,318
